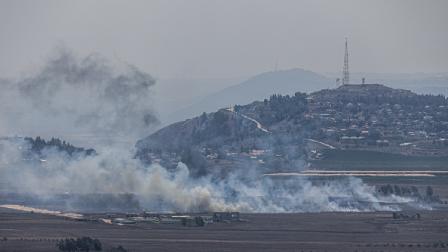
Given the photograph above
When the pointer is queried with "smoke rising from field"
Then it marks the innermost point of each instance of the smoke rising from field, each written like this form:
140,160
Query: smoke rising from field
92,96
115,171
72,95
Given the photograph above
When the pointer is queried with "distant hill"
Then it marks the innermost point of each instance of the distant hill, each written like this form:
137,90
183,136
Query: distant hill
172,94
256,88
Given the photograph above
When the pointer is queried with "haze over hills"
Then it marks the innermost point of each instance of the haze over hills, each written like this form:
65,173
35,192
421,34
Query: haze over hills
171,94
256,88
192,97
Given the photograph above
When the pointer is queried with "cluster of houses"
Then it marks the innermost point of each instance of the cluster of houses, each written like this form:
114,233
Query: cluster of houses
408,127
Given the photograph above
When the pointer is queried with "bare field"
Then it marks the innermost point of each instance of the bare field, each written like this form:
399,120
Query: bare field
261,232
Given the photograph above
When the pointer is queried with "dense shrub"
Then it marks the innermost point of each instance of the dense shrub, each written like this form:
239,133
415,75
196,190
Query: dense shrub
79,244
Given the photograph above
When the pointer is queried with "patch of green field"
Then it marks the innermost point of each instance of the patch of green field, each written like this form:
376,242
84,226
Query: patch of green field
373,160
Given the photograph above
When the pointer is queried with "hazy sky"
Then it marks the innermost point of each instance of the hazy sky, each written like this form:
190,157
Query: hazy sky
206,38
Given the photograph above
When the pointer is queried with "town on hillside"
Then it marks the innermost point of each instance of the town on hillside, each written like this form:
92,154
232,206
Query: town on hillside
368,121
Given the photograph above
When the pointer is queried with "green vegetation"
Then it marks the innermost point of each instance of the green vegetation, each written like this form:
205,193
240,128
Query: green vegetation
118,249
79,244
37,146
279,108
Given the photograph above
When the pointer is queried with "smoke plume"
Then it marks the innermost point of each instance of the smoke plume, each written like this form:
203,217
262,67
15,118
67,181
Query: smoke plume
70,96
154,188
91,96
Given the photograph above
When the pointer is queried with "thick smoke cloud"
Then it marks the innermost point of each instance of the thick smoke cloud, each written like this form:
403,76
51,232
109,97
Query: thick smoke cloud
70,96
115,172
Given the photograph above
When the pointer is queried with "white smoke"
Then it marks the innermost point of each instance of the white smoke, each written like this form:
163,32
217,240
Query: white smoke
115,171
93,97
72,95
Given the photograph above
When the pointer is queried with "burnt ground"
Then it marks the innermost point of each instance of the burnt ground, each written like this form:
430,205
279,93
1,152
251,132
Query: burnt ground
260,232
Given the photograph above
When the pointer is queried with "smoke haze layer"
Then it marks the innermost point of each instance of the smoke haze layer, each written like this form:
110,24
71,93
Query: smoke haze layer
154,188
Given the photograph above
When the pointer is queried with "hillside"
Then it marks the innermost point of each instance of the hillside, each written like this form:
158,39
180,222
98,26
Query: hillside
292,132
257,88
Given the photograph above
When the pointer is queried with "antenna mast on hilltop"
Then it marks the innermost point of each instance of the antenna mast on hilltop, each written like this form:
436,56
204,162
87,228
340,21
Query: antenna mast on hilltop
346,76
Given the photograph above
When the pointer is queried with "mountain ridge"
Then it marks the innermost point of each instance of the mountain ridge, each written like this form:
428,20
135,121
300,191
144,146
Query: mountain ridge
257,88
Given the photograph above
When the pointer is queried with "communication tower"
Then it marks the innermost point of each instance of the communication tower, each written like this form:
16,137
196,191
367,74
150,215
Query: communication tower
345,73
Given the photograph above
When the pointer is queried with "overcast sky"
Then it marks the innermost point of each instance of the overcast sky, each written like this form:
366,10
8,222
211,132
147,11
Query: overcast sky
205,38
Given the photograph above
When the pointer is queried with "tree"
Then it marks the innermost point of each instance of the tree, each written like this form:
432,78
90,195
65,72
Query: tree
429,191
118,249
80,244
203,117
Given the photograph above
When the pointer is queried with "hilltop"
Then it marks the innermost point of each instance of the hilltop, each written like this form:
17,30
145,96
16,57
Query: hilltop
293,132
